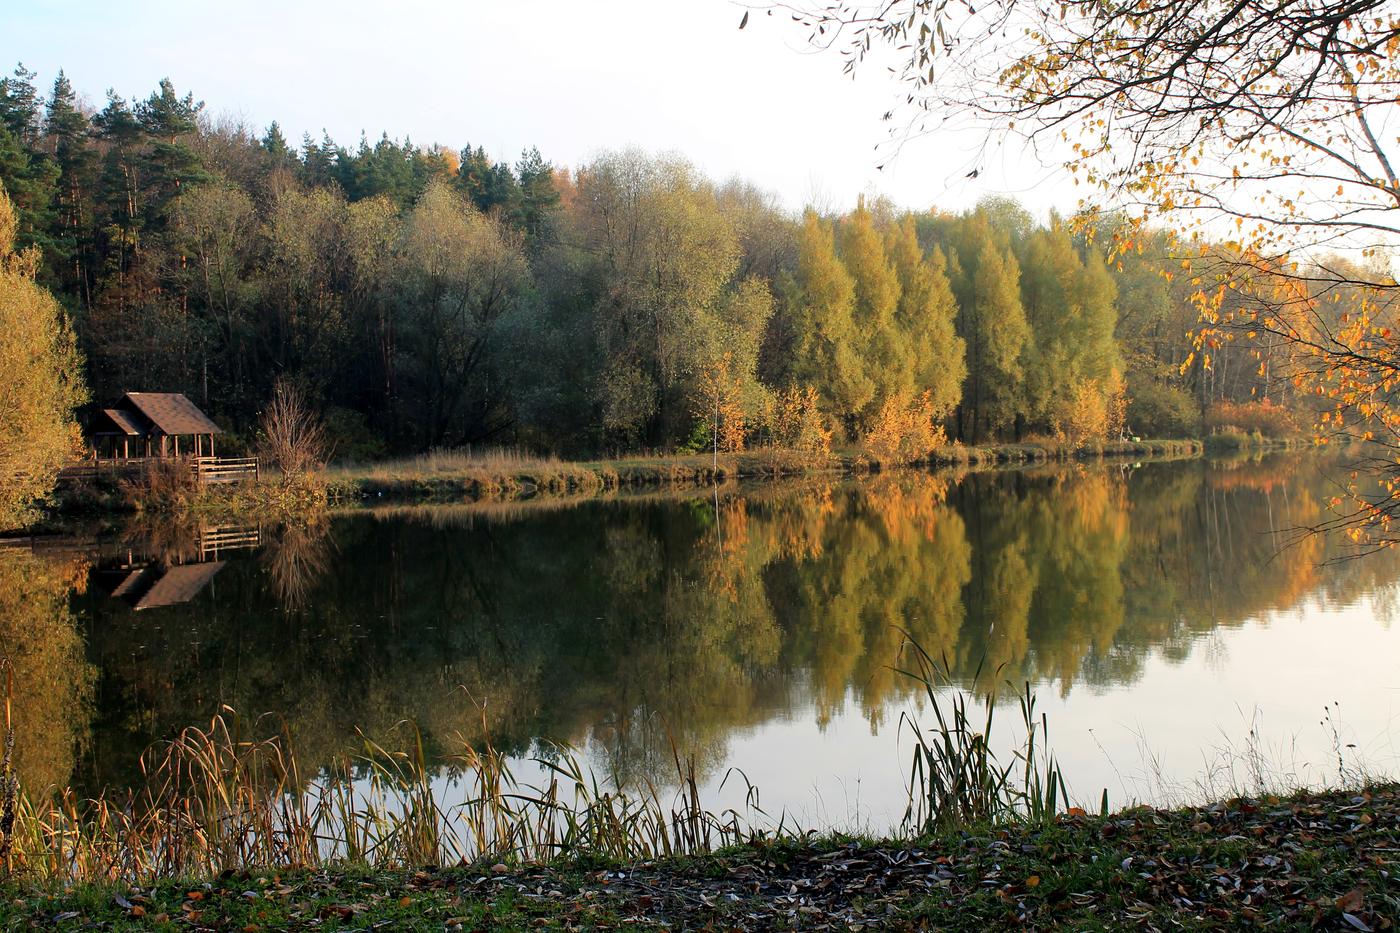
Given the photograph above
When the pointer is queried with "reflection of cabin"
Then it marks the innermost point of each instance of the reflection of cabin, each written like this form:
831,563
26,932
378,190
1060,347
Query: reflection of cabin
176,576
153,586
153,424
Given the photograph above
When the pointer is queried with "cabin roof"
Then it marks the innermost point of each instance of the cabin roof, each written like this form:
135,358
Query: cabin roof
172,413
123,421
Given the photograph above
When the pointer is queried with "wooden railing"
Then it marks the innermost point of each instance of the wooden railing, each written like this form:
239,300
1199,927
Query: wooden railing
225,469
206,469
112,466
227,538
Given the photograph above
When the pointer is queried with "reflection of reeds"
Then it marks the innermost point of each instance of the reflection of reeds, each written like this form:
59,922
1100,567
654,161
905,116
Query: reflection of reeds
167,538
216,799
9,784
297,557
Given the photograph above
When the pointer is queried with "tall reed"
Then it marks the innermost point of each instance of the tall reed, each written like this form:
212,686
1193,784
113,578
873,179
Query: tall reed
230,796
955,777
215,799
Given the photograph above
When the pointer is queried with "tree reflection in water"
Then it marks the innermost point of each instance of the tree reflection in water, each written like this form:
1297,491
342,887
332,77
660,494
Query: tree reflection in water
672,623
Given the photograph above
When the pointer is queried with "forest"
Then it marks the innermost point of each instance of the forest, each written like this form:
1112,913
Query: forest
433,297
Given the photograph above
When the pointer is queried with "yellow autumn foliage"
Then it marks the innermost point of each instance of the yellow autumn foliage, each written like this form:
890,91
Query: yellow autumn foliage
51,707
903,429
40,380
796,421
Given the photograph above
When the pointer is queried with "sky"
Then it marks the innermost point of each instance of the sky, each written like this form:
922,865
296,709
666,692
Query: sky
573,78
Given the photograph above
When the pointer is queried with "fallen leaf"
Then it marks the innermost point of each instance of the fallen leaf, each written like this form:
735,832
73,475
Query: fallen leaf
1032,881
1353,900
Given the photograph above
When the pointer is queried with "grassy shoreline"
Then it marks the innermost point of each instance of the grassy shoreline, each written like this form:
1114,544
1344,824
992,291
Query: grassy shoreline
505,476
1313,860
453,477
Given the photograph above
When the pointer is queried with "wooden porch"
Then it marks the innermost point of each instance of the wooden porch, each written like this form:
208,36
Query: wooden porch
208,470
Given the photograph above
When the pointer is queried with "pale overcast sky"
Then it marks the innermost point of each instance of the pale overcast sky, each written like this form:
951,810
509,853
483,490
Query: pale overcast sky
572,78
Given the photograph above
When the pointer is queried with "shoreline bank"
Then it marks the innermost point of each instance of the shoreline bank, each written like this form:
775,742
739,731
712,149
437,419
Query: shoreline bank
453,477
1307,861
424,481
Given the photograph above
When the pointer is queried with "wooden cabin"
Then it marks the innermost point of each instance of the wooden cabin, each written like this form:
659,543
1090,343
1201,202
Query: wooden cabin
152,424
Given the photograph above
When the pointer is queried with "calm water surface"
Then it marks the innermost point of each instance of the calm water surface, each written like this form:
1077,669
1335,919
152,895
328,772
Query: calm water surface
1177,642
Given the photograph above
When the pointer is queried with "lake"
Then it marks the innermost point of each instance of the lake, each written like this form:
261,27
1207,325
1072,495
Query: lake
1181,638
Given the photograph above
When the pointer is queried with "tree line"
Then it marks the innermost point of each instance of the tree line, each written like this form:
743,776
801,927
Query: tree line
433,297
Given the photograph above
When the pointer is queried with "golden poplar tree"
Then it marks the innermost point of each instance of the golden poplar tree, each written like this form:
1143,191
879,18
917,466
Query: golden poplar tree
925,318
888,364
828,353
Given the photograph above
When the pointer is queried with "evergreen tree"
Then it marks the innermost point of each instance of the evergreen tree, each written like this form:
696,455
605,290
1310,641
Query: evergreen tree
539,199
275,145
31,181
489,185
20,106
318,160
66,131
167,119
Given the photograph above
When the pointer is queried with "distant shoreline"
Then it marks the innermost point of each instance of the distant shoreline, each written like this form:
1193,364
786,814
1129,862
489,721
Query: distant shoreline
502,476
424,481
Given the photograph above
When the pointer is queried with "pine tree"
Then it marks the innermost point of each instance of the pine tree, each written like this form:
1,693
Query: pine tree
539,198
166,118
19,106
66,131
31,181
275,145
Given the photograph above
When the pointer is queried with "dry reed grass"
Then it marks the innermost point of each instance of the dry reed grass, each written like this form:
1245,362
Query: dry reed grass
491,460
224,798
216,799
